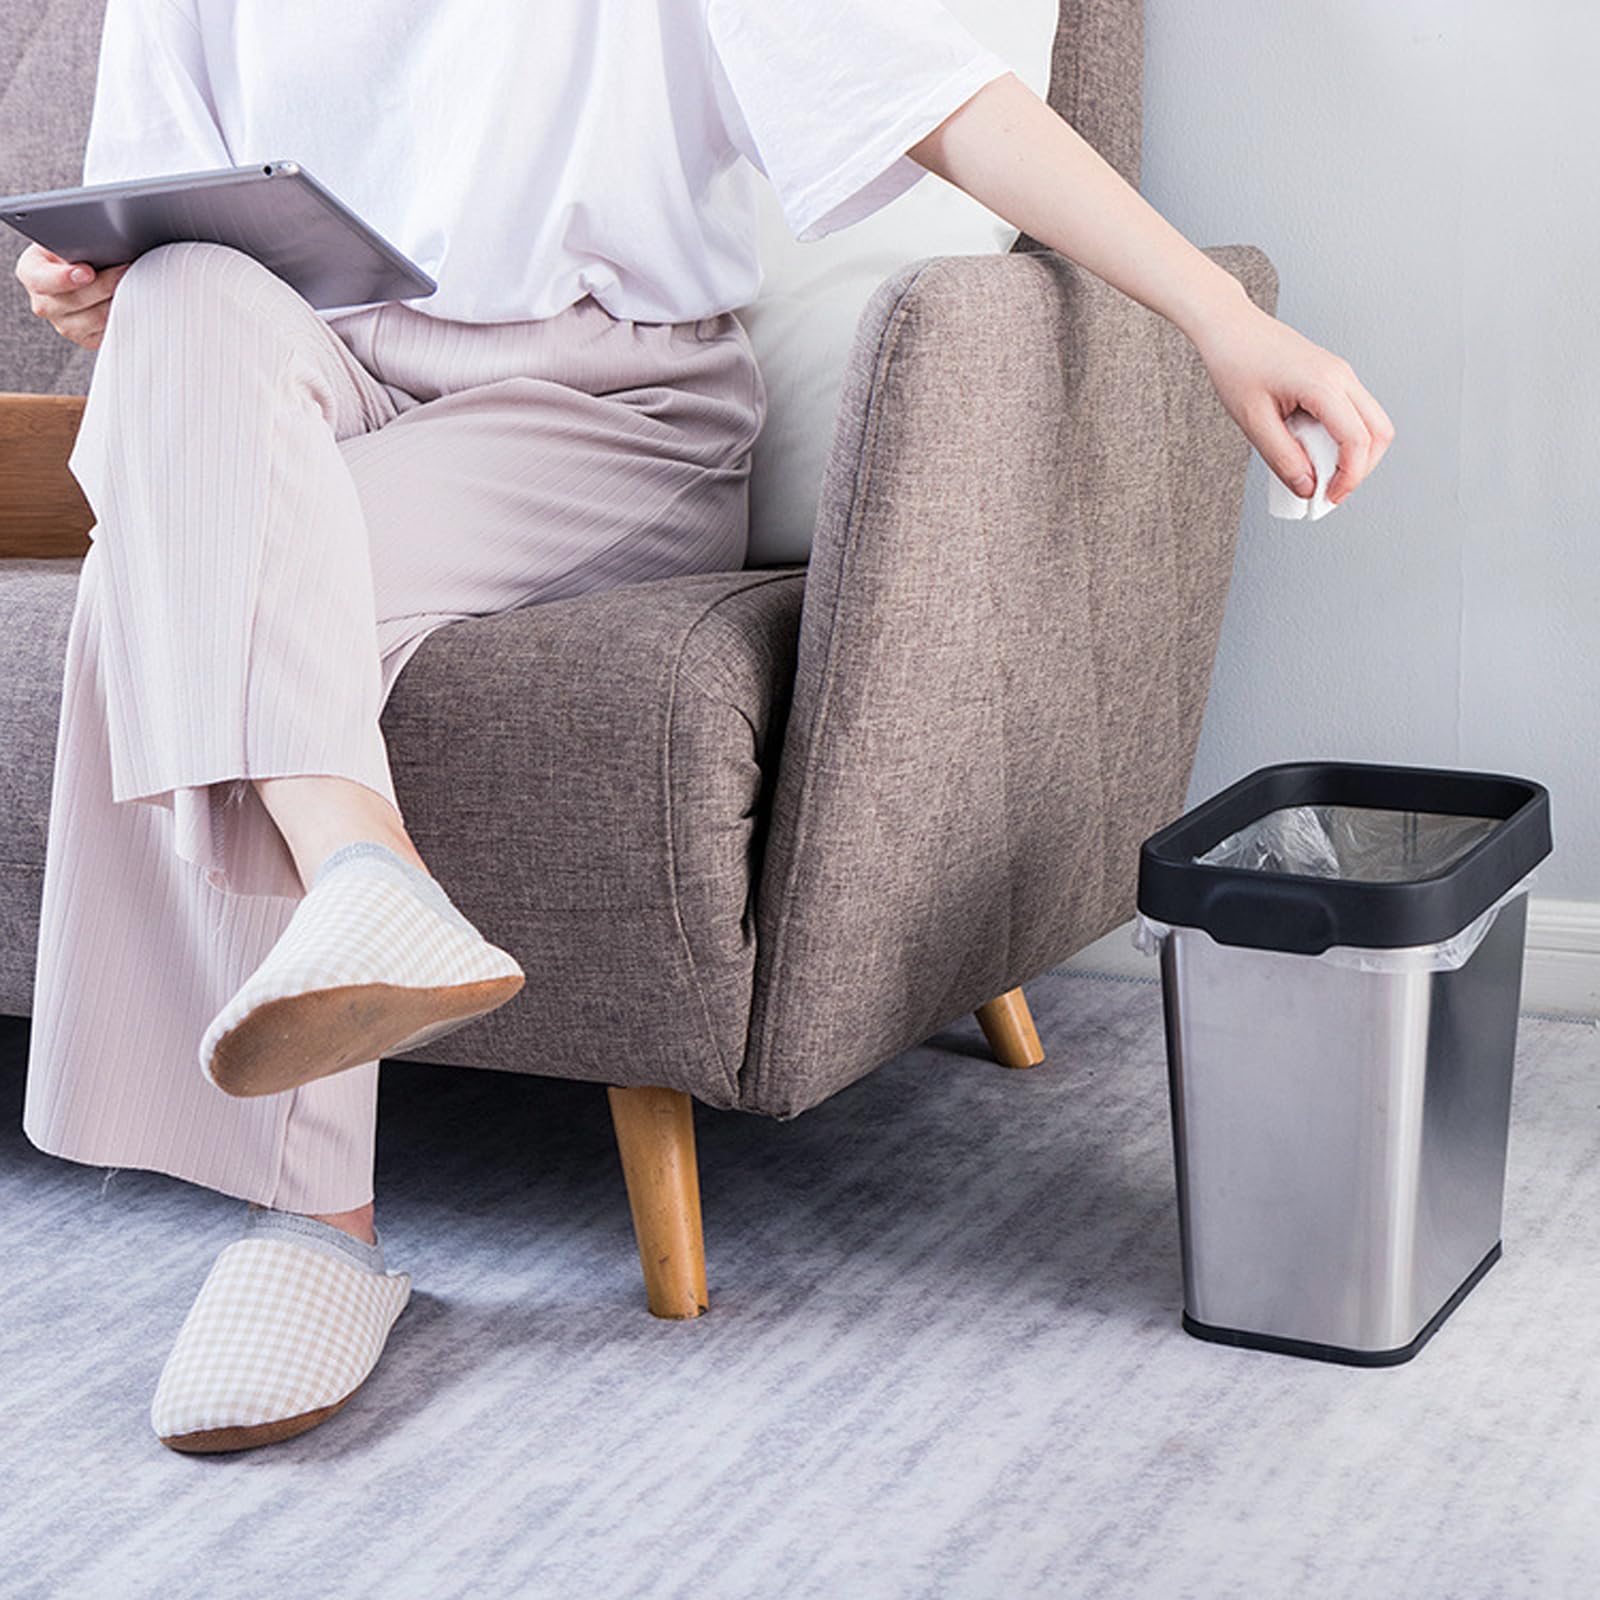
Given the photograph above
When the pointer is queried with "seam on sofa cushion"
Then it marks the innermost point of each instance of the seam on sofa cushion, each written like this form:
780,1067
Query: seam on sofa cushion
888,338
680,673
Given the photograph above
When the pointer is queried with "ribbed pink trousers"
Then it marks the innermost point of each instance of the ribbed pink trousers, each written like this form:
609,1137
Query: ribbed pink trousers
286,505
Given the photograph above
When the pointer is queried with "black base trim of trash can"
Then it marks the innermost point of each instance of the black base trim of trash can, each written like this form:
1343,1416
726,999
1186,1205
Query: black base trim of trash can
1333,1352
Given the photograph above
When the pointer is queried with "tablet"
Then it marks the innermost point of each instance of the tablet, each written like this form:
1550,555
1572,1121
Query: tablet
275,211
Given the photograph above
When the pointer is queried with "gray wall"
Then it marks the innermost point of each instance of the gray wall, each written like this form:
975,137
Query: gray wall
1424,175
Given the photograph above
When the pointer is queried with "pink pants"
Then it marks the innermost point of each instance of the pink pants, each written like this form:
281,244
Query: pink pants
286,505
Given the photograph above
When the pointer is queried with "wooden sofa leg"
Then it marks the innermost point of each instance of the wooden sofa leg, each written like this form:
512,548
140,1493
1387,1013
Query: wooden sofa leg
1008,1026
655,1135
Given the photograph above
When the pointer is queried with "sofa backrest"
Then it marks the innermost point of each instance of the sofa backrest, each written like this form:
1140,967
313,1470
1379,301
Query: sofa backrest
49,50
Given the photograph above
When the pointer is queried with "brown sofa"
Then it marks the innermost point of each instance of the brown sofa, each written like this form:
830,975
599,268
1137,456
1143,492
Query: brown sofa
808,814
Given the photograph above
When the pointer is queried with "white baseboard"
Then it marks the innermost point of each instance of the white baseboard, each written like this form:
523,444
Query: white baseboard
1560,973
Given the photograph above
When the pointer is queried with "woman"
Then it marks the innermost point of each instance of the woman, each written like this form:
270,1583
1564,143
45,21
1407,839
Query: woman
288,501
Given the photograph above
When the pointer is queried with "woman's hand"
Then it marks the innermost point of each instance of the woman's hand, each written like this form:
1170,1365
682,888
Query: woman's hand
1262,370
71,296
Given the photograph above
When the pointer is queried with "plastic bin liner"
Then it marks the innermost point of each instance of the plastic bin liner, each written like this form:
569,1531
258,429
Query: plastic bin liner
1358,842
1361,843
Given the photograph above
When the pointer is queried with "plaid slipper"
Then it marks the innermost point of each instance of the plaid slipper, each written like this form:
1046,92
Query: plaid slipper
365,967
278,1339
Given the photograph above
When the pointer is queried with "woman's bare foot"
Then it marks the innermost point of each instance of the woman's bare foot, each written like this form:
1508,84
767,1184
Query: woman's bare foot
357,1222
316,814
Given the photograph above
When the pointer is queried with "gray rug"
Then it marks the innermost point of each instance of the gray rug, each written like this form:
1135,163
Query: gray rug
943,1359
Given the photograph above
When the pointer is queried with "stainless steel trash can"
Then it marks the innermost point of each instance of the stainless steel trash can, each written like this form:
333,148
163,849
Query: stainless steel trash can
1341,967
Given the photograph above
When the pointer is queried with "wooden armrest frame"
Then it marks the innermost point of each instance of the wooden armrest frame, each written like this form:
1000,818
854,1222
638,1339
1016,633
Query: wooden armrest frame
42,509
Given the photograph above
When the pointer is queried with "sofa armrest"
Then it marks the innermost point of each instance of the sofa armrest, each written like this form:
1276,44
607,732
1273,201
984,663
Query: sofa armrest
42,509
589,777
1024,545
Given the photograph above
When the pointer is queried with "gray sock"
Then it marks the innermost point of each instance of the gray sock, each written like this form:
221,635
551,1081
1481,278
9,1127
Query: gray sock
318,1235
426,886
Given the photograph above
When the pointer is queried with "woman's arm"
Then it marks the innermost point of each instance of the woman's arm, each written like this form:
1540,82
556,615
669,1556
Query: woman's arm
1012,152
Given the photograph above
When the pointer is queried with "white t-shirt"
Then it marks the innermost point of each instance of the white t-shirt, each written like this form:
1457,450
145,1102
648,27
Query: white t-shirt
526,154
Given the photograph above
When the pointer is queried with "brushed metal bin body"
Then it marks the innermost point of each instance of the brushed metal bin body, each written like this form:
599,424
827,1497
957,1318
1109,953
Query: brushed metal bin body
1340,1138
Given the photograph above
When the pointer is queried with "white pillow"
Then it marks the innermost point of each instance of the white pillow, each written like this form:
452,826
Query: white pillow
803,321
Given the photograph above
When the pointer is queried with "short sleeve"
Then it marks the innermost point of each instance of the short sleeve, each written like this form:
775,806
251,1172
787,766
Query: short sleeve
152,113
824,97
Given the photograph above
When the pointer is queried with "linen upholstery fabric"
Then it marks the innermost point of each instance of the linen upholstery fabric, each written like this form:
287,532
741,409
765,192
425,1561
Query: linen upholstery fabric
1009,620
637,730
35,612
1012,608
48,52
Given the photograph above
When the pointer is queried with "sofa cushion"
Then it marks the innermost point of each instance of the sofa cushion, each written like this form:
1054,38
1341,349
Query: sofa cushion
35,609
588,778
803,321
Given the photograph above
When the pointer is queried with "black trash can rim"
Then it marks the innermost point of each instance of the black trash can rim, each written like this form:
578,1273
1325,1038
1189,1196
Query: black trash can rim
1306,915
